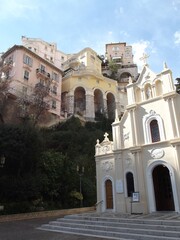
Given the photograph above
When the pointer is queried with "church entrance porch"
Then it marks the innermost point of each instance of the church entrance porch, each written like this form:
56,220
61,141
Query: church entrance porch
163,189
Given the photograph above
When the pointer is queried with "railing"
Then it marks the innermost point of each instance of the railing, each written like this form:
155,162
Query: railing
7,65
98,203
43,73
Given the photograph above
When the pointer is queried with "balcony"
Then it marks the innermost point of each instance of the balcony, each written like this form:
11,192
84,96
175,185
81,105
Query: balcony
7,65
42,73
73,62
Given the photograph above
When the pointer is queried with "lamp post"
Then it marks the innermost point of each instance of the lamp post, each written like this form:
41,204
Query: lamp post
80,172
2,161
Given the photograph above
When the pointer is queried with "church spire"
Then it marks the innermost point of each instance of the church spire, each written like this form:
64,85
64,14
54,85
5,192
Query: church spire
165,66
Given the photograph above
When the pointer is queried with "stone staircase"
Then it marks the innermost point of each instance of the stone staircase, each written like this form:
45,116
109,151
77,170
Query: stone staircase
117,226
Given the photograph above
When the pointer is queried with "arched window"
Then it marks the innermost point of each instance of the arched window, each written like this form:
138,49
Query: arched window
130,183
153,127
158,86
154,131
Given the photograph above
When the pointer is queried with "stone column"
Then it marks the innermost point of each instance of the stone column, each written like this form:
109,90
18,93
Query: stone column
90,106
105,106
153,91
133,131
171,111
175,117
70,104
142,94
140,207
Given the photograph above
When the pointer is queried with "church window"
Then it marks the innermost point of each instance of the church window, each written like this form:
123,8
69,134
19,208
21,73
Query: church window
153,127
129,183
154,131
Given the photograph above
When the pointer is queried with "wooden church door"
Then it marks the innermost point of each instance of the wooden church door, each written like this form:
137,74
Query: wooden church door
109,194
163,189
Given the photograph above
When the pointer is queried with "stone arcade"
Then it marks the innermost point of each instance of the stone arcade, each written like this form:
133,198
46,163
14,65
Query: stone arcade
143,160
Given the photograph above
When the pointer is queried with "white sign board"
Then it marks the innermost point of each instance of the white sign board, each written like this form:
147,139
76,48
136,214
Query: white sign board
119,186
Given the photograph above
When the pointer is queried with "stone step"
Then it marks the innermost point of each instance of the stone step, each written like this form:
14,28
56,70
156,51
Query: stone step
116,227
124,220
119,224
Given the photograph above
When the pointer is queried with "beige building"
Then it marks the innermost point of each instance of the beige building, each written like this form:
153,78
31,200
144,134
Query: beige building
26,69
139,170
86,92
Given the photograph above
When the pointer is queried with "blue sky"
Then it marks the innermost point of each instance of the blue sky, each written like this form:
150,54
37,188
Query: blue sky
151,26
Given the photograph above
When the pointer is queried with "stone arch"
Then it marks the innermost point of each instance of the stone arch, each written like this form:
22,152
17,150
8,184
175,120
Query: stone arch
148,91
111,105
124,77
150,184
147,119
79,101
138,94
158,87
108,179
130,187
98,104
64,106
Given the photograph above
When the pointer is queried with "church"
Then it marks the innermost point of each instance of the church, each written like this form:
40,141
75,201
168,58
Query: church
139,170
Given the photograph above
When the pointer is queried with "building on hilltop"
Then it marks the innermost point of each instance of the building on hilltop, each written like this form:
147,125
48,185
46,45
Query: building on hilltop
138,172
26,71
118,63
92,87
86,92
46,50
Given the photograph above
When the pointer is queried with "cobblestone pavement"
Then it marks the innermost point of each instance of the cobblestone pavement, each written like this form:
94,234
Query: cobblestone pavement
27,230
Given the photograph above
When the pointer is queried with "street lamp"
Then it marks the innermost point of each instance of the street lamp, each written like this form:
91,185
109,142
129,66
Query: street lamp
80,172
2,161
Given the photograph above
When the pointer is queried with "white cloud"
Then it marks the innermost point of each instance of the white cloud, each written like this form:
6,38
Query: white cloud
177,37
138,49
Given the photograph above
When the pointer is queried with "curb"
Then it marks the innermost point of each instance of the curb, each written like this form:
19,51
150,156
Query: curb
44,214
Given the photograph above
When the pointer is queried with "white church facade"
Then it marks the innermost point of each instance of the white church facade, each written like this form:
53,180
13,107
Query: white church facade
139,171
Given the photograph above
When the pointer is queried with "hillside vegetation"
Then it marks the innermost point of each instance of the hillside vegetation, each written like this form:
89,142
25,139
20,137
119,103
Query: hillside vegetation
40,170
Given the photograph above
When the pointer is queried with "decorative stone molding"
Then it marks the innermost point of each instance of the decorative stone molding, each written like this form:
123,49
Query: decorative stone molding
107,166
126,136
128,161
105,147
152,115
157,153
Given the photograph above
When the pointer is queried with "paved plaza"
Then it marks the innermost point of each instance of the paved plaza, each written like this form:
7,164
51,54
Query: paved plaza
27,230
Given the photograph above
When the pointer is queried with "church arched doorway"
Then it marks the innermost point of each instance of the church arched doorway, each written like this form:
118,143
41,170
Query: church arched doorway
164,199
109,194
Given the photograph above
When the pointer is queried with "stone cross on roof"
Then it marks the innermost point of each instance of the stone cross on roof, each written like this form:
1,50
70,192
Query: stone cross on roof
144,58
106,137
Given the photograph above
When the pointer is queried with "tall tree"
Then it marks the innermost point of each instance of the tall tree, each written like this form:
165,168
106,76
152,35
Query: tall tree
33,106
4,91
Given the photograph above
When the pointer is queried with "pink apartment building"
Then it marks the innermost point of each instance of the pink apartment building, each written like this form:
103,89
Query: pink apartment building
26,69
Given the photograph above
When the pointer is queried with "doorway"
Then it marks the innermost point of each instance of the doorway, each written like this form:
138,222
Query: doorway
109,194
163,189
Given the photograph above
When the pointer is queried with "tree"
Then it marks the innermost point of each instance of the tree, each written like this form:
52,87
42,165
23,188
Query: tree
33,106
40,100
178,85
114,68
4,92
